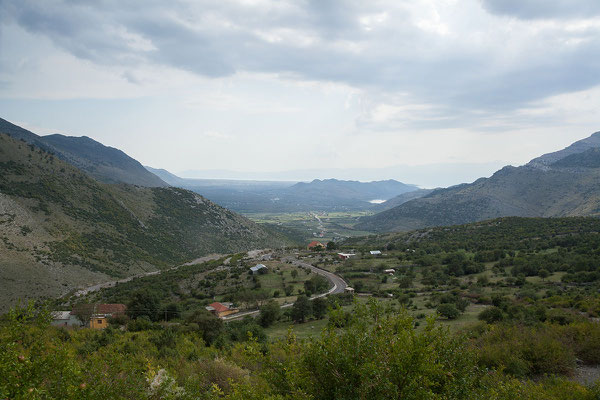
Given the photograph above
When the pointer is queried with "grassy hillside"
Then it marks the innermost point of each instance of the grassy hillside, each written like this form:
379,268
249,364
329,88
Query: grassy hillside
62,229
567,187
104,163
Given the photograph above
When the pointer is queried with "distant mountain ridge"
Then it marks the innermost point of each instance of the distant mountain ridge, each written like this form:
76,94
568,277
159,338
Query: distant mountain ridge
279,196
104,163
580,146
563,183
364,191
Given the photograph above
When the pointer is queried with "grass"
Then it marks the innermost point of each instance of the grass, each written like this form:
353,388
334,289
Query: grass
302,331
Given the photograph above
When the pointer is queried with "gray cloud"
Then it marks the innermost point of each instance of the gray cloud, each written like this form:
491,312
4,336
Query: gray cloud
319,40
543,9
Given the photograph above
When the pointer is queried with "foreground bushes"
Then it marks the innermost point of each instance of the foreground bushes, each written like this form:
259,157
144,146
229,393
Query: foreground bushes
541,349
376,355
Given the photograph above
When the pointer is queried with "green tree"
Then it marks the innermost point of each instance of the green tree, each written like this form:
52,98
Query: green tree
269,313
143,302
448,310
210,326
301,309
319,307
491,314
171,311
331,246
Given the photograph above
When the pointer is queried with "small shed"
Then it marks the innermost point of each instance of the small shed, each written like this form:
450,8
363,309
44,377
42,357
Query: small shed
349,289
375,252
389,271
257,268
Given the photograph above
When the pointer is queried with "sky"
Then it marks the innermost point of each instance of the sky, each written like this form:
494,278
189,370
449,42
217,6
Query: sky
430,92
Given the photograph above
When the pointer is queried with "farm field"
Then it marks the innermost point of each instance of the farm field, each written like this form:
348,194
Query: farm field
321,226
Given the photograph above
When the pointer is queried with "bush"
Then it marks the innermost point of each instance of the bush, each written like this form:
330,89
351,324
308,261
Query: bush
448,310
525,351
491,315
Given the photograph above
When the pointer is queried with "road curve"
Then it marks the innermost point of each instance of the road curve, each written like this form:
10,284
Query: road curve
338,286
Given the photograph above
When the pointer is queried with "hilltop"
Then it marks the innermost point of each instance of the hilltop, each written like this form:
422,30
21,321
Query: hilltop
62,229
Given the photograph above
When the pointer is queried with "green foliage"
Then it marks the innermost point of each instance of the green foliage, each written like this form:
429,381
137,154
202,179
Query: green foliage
301,309
319,307
491,315
144,303
448,310
381,356
269,313
375,353
209,326
525,351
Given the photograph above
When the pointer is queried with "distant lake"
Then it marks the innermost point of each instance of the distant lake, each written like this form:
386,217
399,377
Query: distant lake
376,201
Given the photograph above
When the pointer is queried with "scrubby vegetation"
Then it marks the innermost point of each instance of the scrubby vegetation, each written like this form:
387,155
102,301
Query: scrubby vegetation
375,353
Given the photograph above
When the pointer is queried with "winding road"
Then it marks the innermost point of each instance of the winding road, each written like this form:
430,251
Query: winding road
338,286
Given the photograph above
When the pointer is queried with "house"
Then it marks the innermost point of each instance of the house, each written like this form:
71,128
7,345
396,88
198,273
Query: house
389,271
375,252
97,315
345,256
64,318
221,309
348,289
314,245
111,310
98,321
257,269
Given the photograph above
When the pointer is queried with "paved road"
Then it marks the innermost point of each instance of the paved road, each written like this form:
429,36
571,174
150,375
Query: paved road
104,285
338,286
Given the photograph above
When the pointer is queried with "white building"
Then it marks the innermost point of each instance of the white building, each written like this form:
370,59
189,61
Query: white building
257,268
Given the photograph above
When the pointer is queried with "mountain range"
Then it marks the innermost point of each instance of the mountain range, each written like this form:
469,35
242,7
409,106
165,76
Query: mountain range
280,196
106,164
61,229
558,184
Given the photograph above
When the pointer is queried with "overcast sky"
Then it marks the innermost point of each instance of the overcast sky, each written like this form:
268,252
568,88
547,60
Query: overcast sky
453,87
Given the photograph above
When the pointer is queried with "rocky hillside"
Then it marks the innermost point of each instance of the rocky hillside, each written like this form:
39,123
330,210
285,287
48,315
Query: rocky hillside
104,163
61,229
564,183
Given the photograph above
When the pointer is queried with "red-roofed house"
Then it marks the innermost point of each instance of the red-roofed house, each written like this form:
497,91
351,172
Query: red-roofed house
314,245
221,309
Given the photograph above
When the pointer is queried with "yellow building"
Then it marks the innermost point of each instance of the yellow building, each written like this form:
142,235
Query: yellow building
98,322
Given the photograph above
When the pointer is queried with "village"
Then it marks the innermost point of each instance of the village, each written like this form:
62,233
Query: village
89,312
